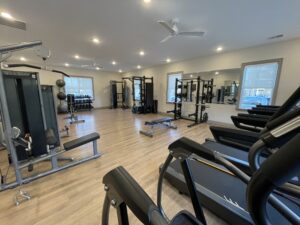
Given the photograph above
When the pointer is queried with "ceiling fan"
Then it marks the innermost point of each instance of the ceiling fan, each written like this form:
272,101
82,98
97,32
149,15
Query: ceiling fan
171,26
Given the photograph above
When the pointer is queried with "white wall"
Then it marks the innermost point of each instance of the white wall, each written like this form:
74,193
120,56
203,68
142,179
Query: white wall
289,80
101,81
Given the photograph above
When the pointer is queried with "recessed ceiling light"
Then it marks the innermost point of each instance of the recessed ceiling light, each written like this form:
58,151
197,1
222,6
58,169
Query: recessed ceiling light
6,15
147,1
77,57
217,73
114,62
23,59
168,60
120,71
219,49
97,68
67,64
139,67
142,53
96,40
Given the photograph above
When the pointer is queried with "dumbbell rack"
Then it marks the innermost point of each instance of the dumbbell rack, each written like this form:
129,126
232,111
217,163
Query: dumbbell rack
82,103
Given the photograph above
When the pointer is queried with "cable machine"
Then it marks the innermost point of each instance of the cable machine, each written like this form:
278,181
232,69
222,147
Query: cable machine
30,125
184,93
119,94
142,94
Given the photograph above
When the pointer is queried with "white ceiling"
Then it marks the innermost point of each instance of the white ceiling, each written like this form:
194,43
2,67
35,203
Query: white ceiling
127,26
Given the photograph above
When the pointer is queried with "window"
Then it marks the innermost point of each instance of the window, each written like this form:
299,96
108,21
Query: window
171,86
79,86
137,90
259,83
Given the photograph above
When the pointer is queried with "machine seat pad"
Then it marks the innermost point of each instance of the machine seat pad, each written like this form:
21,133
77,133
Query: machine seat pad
50,137
159,121
81,141
186,218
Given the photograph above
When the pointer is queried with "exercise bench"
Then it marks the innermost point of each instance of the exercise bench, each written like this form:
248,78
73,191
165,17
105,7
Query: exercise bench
166,122
53,156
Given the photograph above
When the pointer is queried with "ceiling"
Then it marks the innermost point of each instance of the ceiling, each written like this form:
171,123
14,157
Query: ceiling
125,27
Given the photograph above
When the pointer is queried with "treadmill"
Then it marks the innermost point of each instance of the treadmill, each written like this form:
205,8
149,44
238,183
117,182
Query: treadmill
221,190
250,122
256,118
244,139
239,155
259,194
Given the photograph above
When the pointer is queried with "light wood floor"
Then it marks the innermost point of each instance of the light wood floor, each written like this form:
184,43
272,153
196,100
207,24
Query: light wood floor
75,195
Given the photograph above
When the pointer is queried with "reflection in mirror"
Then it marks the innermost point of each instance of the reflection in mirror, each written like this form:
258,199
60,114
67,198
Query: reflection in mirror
189,87
226,85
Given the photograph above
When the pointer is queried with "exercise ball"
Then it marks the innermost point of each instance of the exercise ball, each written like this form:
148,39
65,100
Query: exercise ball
60,83
61,95
62,108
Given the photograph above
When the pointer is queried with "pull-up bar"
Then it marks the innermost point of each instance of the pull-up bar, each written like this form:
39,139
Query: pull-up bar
18,47
36,67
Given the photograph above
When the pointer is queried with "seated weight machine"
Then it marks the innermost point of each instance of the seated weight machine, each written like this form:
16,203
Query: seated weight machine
196,91
24,104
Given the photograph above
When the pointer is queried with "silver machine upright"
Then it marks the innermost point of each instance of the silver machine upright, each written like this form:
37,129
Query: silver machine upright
30,128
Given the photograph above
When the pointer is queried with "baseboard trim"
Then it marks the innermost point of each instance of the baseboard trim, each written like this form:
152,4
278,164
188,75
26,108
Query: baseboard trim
102,107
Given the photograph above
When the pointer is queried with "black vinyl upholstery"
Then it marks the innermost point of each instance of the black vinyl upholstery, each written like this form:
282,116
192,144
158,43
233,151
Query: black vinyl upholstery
185,218
81,141
159,121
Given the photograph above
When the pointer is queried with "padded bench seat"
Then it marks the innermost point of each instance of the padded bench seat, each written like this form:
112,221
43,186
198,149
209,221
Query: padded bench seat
81,141
159,121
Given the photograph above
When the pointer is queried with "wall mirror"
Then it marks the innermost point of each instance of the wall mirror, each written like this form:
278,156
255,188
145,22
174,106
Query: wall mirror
226,85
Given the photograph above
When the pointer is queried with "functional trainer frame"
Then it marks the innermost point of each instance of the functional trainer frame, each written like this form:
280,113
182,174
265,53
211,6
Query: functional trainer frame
115,95
141,105
184,90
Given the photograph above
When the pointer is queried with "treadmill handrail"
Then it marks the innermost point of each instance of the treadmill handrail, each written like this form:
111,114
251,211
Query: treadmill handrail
278,169
288,104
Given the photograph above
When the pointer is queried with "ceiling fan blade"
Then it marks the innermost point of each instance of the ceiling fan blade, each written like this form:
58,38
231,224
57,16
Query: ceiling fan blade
167,38
166,25
192,34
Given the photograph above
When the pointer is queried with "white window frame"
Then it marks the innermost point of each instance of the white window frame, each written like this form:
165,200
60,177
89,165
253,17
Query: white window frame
84,77
168,75
279,61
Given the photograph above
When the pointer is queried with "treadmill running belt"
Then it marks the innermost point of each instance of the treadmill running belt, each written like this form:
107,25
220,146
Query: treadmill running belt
221,192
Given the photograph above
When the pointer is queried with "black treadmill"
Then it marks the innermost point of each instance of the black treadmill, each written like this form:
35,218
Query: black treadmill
256,118
244,139
218,189
259,194
239,155
250,122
